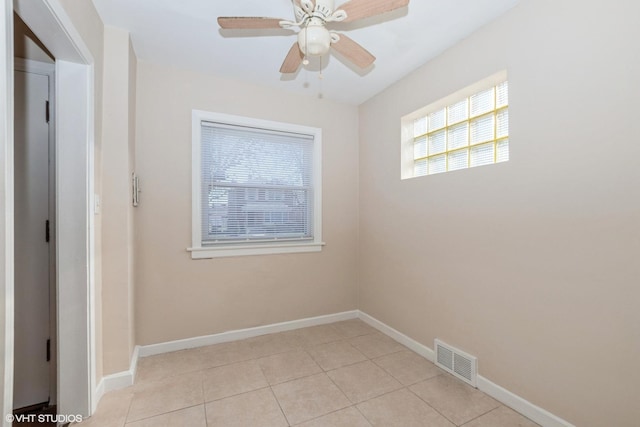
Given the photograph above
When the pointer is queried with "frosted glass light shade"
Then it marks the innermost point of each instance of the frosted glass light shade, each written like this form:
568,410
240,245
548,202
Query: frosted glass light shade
314,40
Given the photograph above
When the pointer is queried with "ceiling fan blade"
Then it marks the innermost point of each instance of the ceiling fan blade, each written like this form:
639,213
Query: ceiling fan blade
248,23
359,9
293,60
353,52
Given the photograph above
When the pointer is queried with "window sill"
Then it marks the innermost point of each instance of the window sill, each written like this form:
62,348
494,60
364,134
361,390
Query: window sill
249,249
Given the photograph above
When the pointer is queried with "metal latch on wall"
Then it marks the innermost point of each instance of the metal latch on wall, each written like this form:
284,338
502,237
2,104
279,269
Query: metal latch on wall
135,184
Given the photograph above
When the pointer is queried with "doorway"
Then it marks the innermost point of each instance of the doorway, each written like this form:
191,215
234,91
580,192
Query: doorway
34,231
74,119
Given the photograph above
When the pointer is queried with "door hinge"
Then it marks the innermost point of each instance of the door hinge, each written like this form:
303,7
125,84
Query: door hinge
47,110
46,232
48,349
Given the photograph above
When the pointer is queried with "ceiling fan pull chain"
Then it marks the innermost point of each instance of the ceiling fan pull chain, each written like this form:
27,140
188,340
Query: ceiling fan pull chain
305,60
320,94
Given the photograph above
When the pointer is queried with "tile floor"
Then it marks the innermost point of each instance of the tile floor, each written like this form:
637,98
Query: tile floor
342,374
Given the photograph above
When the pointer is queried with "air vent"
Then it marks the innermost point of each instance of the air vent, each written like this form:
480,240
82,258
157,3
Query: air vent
456,362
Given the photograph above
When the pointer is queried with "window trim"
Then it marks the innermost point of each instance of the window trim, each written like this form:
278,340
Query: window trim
197,250
406,122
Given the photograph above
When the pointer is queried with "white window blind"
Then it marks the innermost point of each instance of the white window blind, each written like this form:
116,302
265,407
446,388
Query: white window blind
257,185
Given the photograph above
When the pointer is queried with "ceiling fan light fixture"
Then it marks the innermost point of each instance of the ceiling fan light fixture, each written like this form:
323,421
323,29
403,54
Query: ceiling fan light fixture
314,40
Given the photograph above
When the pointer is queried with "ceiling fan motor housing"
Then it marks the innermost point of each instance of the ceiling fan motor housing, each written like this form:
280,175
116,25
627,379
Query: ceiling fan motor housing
323,6
314,39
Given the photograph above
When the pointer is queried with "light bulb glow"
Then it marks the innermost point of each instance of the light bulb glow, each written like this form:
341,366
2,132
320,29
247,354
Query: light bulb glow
314,40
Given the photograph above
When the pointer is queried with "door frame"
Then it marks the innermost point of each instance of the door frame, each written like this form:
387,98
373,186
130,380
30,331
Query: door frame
74,107
6,207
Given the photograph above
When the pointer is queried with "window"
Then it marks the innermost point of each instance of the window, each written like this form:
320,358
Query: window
256,187
467,129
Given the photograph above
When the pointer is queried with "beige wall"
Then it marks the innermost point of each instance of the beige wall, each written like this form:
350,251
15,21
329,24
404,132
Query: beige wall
177,297
117,211
531,265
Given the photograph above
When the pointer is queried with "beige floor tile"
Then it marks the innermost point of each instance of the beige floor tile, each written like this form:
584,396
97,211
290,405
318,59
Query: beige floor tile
335,355
266,345
408,367
376,345
282,367
166,365
401,408
353,328
196,359
501,417
112,410
315,335
363,381
254,409
171,389
229,380
310,397
349,417
225,354
192,417
158,397
454,399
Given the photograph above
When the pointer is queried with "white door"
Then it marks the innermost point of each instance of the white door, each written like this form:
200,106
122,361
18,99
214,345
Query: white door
31,353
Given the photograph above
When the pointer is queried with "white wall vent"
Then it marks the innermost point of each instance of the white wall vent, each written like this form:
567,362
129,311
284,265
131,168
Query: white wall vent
456,362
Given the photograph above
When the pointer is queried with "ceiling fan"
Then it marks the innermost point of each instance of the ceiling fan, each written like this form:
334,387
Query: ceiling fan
314,39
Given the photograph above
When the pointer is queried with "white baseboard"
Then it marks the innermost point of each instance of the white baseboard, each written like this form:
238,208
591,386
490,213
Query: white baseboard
518,404
414,345
515,402
166,347
118,380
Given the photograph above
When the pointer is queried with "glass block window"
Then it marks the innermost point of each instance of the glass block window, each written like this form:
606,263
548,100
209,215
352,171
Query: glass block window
469,132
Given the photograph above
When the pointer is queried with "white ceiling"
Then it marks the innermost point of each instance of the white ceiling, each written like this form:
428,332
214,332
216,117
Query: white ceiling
185,34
